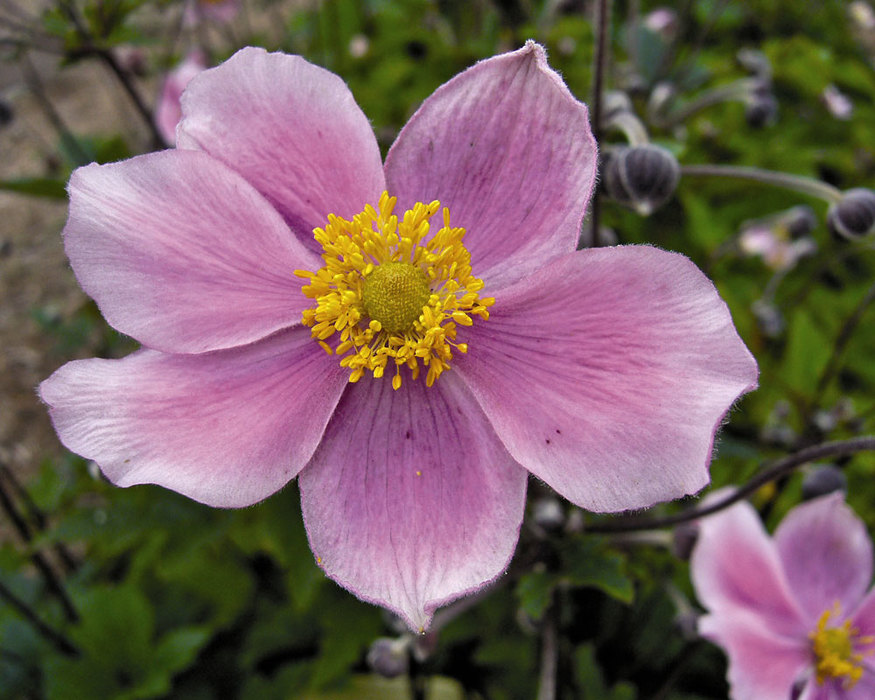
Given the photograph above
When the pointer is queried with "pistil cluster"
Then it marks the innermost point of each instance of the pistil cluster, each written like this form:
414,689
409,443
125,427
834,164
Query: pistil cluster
393,293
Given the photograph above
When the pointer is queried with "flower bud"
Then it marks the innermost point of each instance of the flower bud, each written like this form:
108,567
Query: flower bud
614,102
799,221
548,513
755,62
823,479
684,538
389,657
761,110
6,113
641,177
853,215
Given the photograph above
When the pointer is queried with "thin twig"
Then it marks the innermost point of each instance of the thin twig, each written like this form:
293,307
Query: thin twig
769,473
34,84
38,517
61,643
90,48
549,656
39,561
602,22
844,337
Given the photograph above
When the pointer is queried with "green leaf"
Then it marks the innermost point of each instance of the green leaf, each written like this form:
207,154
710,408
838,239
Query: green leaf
589,561
591,682
359,687
36,187
535,591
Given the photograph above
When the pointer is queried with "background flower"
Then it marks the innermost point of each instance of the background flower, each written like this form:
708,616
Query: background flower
792,612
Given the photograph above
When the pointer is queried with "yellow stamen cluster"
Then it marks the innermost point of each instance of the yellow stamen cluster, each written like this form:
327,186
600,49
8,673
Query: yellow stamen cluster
835,650
395,294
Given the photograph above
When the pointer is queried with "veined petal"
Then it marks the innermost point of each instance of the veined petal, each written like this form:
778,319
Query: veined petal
762,665
292,129
181,253
226,428
827,554
736,572
509,150
607,373
863,619
410,500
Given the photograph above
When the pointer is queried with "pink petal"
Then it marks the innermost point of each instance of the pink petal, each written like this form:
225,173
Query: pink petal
509,150
168,110
864,689
863,618
181,253
816,691
736,571
762,665
227,428
291,129
826,553
607,373
410,500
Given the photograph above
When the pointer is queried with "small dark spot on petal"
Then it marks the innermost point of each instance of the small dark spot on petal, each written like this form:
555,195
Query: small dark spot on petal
558,432
407,435
547,441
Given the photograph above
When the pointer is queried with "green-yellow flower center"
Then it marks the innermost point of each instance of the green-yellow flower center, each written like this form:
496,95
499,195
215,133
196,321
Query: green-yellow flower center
836,652
393,292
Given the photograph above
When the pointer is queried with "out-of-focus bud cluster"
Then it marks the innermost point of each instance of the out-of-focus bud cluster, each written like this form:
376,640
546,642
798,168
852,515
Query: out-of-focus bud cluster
853,216
389,657
781,239
761,107
641,177
823,479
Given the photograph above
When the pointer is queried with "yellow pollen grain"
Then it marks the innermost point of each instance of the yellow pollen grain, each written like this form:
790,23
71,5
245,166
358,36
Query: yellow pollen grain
393,294
835,650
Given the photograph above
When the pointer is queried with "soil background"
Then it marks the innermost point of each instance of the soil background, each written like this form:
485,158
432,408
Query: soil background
34,273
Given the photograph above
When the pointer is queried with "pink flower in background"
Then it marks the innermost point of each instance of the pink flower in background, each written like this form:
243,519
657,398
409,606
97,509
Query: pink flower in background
168,111
792,612
221,11
410,371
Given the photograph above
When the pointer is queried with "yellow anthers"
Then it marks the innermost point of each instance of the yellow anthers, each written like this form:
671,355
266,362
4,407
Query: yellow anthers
395,294
835,650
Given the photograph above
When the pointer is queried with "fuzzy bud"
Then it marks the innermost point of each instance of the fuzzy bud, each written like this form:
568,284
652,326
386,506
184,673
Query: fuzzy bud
761,109
548,513
799,221
389,657
684,538
823,479
615,102
853,216
641,177
6,113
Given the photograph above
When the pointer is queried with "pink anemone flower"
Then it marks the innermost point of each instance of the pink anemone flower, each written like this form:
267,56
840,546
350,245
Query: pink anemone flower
272,282
791,611
168,110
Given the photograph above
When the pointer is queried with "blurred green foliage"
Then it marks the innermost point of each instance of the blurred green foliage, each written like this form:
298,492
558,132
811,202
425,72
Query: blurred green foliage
178,600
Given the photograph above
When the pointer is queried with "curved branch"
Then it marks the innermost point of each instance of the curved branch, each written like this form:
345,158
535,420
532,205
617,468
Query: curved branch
777,469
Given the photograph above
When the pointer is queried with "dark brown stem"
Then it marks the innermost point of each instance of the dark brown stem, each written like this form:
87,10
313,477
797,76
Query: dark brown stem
37,516
39,561
602,22
769,473
60,642
90,48
844,337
